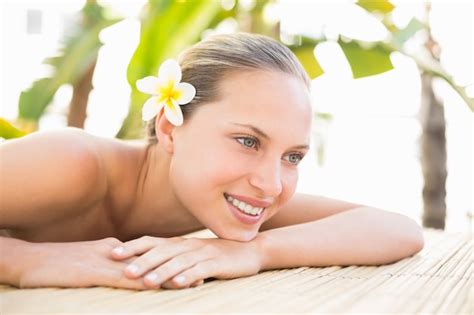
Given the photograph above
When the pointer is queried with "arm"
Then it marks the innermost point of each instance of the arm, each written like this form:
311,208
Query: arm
303,208
308,231
75,264
10,272
47,177
359,236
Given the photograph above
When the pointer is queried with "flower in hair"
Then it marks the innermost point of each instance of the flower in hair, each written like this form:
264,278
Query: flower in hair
167,91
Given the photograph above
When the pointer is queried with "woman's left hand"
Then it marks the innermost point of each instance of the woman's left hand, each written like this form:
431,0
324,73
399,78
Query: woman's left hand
178,262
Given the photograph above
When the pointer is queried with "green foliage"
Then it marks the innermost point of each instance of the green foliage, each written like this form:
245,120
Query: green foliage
366,61
168,28
305,54
33,101
403,35
78,54
382,6
8,131
397,39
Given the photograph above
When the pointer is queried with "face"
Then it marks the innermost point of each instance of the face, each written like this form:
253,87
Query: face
246,145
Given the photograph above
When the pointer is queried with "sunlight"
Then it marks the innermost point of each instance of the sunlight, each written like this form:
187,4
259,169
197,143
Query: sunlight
372,145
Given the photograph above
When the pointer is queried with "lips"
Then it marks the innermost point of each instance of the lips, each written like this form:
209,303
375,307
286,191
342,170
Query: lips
244,217
251,201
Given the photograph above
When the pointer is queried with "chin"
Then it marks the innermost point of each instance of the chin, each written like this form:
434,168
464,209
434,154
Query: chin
239,236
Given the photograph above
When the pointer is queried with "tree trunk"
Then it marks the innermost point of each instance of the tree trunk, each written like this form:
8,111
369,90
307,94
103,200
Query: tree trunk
80,96
433,156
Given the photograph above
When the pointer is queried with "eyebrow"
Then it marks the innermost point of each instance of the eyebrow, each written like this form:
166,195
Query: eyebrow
264,135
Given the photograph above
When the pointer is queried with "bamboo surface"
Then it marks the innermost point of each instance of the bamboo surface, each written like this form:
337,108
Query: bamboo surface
438,280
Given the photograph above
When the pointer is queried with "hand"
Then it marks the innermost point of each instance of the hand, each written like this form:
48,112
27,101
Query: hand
164,261
75,264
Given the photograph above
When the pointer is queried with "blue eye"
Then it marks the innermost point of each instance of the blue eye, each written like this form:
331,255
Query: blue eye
295,158
249,142
252,142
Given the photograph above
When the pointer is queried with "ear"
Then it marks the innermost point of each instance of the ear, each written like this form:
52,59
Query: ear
164,131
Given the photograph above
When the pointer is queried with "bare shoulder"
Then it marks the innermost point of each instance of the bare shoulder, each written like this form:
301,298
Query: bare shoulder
50,175
302,208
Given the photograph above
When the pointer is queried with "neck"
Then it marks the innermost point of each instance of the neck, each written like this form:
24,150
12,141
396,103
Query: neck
157,211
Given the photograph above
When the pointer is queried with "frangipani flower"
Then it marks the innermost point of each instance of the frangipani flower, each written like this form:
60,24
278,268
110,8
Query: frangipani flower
167,91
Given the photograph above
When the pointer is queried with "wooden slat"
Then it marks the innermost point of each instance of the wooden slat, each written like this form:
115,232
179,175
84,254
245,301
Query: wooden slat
439,279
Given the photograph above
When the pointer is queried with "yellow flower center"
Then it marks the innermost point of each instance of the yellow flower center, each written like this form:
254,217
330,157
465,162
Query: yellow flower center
168,92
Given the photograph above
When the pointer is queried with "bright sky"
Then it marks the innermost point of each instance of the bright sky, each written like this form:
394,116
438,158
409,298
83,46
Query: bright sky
372,144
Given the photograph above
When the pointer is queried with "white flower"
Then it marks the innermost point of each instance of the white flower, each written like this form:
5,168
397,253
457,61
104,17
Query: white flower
167,91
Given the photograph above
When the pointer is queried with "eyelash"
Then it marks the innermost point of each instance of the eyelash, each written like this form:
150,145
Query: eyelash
257,142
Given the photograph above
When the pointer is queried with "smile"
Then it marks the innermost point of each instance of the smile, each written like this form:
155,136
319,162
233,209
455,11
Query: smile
244,207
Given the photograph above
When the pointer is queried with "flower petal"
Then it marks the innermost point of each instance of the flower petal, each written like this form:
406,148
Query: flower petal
173,112
148,85
187,92
170,70
151,108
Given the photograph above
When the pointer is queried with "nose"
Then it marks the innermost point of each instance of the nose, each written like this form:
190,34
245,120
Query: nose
266,177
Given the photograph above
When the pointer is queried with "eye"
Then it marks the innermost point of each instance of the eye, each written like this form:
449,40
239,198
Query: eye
249,142
295,158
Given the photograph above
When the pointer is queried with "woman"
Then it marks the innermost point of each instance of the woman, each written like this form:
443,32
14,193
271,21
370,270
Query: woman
223,152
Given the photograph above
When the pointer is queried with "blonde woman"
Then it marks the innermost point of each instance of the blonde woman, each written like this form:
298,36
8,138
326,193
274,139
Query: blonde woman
227,126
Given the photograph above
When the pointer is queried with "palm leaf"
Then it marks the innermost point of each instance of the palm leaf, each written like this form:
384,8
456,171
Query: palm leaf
8,131
77,55
186,20
366,60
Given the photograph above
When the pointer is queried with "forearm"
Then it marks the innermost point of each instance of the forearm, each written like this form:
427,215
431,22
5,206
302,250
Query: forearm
13,258
361,236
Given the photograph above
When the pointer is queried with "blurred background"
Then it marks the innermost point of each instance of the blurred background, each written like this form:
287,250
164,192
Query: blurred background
392,85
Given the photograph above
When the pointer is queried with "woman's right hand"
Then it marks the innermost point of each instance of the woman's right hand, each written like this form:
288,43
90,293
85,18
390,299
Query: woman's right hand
73,264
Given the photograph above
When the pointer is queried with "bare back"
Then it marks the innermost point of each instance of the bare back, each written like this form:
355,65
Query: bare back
68,185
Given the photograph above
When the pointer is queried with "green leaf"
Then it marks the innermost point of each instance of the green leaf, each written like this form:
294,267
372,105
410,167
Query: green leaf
34,100
304,51
401,36
307,58
78,54
366,61
187,20
382,6
8,131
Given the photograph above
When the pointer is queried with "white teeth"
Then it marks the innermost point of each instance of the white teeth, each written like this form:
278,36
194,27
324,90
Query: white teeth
244,207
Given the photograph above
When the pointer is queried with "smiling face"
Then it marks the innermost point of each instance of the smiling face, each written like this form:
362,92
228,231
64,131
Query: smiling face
246,145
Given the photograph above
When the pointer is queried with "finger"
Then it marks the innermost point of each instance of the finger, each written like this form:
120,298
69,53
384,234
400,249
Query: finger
130,260
170,285
154,258
126,283
197,283
113,277
173,267
199,271
136,247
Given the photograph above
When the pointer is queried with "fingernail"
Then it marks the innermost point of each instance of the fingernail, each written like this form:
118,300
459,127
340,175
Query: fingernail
132,269
152,277
179,279
119,250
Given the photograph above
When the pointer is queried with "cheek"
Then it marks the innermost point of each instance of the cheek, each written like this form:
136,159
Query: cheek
289,183
204,169
223,175
220,164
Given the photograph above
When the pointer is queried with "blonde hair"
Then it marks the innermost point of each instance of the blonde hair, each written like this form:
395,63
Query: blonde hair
207,62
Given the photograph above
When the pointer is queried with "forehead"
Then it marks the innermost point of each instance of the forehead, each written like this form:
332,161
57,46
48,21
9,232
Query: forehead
273,101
